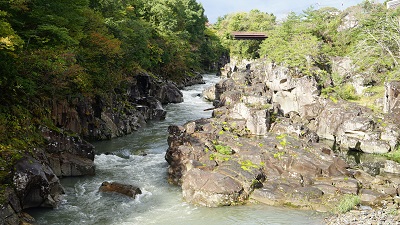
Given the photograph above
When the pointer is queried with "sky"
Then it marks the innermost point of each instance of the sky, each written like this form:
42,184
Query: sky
280,8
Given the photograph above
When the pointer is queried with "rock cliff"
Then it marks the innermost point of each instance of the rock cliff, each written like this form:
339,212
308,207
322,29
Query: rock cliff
77,120
264,143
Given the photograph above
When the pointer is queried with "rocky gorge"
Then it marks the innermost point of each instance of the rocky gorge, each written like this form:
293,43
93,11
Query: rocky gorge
274,139
67,152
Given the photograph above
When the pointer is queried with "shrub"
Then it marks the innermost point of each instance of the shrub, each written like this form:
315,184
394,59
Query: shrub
348,92
223,150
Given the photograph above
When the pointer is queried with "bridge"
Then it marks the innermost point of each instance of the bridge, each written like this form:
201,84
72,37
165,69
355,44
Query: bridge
244,35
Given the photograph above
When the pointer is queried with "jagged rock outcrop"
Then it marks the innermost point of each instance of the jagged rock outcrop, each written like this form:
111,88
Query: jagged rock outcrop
124,189
392,97
34,185
11,210
208,168
263,142
273,87
190,79
217,164
291,93
355,127
345,71
119,113
68,155
170,94
209,93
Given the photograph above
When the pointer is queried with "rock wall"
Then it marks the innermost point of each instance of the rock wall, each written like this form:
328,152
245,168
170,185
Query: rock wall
34,185
67,153
218,163
392,97
263,142
119,113
350,125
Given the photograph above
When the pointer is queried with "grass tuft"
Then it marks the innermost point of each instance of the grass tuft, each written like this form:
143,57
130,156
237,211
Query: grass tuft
393,155
348,203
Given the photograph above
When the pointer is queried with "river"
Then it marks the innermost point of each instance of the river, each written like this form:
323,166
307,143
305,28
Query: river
138,159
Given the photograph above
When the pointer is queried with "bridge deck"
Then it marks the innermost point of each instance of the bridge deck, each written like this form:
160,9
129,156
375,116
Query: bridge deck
240,35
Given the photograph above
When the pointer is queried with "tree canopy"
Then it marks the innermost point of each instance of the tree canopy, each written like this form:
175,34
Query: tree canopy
255,20
368,33
85,48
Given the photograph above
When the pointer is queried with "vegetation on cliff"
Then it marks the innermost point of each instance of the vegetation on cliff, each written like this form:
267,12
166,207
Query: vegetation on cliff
86,48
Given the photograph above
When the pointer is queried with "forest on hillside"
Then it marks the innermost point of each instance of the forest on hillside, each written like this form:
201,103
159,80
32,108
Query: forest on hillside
87,46
308,43
85,49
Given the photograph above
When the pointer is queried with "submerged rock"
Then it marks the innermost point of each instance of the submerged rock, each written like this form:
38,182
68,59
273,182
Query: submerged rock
125,189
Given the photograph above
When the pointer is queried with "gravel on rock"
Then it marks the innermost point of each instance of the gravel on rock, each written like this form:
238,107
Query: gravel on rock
385,215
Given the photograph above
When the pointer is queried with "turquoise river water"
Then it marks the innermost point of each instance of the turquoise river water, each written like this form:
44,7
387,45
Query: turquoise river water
139,159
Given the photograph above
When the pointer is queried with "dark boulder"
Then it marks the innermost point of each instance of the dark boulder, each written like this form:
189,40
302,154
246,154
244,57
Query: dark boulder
125,189
10,208
68,155
169,93
190,79
152,109
36,185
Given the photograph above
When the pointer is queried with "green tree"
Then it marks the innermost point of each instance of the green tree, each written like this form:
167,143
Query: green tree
255,20
292,44
42,23
211,50
377,50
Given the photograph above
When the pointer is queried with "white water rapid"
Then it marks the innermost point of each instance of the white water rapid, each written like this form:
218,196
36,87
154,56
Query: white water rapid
138,159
